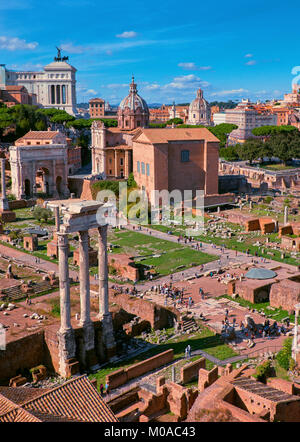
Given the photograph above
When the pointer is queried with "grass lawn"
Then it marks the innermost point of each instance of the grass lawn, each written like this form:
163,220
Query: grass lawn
171,257
277,314
278,166
233,244
204,340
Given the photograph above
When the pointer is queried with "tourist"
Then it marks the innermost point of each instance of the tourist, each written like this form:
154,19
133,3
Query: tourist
189,350
106,388
101,389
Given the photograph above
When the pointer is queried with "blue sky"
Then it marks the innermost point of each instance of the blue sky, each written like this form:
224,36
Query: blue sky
231,49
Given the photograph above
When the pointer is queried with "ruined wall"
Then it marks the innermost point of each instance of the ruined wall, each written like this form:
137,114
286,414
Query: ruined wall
158,316
124,266
20,204
122,376
252,224
207,378
21,354
251,294
189,372
267,225
285,294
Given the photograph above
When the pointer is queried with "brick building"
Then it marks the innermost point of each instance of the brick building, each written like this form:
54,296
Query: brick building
184,159
12,95
96,108
169,158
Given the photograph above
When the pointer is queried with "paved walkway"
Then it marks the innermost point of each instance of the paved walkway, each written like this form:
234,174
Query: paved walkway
225,258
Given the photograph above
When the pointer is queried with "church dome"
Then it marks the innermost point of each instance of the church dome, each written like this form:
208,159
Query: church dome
199,110
133,110
199,102
133,101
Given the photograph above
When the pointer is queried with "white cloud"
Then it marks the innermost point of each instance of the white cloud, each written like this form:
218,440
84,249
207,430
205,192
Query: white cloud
15,43
193,67
251,63
127,34
91,92
229,92
249,55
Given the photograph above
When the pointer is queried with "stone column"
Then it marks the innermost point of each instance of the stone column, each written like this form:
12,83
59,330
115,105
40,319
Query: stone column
3,201
84,278
66,339
126,165
286,215
33,178
108,339
116,163
103,271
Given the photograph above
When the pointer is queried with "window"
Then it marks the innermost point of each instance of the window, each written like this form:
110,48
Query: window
148,169
143,168
138,167
185,156
121,161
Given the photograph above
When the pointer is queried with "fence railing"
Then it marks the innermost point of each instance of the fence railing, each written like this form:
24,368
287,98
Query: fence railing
261,351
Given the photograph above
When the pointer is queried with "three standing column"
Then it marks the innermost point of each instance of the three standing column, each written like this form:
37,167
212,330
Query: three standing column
105,316
67,346
85,316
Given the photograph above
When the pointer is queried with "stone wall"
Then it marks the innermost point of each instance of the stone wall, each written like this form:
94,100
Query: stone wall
20,204
207,378
255,294
285,294
122,376
189,372
20,355
158,316
124,266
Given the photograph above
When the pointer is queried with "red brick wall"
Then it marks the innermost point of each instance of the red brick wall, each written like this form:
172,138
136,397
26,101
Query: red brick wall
158,316
285,294
122,376
21,354
189,372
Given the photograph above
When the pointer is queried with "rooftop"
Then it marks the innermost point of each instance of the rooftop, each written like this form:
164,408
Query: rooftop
263,390
173,134
75,400
260,273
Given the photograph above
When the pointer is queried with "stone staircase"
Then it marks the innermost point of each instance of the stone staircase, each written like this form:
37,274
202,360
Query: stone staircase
188,323
15,293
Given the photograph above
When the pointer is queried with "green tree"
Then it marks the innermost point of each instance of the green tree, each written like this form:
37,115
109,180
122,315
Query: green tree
131,181
175,121
229,153
251,150
285,354
285,145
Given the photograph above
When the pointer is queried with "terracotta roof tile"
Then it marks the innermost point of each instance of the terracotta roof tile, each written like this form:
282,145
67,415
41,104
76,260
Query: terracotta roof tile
75,400
39,135
174,134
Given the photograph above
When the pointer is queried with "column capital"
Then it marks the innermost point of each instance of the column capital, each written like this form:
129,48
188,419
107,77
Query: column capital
62,240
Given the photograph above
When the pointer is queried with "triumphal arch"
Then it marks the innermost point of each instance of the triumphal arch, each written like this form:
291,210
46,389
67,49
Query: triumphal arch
39,165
